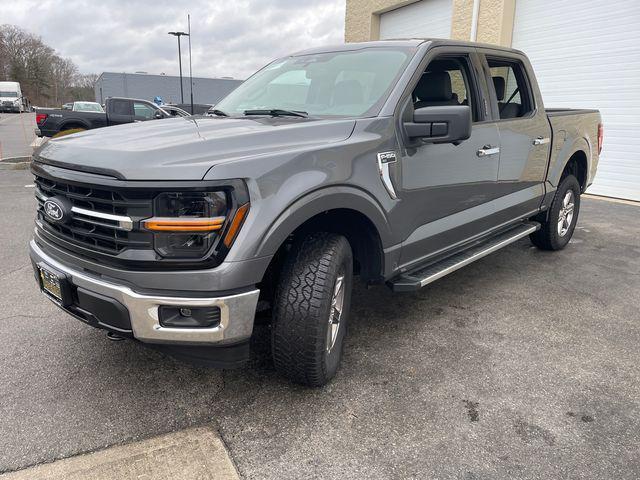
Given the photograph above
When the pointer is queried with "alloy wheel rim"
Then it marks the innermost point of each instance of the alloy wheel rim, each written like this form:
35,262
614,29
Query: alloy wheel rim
565,216
335,314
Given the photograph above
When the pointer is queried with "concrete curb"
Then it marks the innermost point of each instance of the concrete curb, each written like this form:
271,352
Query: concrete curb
193,453
15,163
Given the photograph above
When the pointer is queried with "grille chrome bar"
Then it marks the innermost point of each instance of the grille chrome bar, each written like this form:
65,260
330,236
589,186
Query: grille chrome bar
122,222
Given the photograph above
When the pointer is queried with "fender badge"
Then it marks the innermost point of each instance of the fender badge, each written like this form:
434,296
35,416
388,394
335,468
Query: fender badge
387,157
384,160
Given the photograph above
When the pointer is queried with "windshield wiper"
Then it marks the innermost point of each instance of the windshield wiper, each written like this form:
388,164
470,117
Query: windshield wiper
219,113
278,112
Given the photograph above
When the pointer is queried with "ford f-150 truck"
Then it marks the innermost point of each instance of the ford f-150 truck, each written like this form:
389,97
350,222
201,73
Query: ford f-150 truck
391,162
51,122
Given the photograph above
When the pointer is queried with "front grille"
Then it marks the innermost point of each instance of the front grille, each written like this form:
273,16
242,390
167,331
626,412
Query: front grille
93,224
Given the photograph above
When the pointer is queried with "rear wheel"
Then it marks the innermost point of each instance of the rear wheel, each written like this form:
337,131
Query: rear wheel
557,229
311,309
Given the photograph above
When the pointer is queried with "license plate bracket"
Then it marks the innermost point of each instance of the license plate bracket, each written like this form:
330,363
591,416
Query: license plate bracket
54,284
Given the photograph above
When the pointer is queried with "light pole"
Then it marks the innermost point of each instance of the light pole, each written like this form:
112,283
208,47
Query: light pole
180,34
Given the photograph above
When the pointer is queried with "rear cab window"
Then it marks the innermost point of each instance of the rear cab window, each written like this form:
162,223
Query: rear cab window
511,86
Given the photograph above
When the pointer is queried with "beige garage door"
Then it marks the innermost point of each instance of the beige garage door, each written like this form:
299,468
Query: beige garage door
588,56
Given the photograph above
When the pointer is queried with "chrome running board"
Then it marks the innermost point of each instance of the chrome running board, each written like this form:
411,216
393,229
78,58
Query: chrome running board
418,278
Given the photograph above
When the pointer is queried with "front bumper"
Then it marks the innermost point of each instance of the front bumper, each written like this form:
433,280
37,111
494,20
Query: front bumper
236,311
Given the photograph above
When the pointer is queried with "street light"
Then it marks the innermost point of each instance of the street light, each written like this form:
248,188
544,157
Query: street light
180,34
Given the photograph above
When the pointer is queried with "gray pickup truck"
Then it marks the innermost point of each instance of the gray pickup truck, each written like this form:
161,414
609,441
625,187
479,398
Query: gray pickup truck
393,162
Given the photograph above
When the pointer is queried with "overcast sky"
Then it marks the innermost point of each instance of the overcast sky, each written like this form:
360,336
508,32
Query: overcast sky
230,37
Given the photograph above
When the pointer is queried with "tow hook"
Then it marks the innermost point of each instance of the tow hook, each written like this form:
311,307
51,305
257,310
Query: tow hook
114,337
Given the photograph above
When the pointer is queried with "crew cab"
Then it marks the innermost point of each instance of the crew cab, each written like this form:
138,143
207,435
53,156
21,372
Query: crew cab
392,162
52,122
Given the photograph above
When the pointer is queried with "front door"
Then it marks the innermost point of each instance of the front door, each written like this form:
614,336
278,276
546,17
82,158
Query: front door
446,188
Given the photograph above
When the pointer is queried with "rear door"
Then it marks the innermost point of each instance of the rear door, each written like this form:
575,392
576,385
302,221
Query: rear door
445,188
525,132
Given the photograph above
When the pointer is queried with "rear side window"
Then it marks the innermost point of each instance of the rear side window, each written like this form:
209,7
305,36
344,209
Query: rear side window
121,107
512,88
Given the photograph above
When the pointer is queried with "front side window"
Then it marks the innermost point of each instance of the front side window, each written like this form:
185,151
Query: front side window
349,83
142,110
447,80
511,87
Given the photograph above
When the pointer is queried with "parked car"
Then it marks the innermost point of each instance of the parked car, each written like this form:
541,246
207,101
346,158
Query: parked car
67,106
174,111
87,107
393,162
11,99
198,108
56,122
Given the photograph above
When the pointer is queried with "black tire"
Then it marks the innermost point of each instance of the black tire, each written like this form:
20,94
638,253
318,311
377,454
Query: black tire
548,237
302,308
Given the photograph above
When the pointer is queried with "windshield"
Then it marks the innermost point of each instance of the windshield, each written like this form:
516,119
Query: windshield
352,83
5,93
87,107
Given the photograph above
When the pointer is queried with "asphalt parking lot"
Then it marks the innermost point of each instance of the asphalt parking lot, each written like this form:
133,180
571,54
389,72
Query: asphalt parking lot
17,131
522,365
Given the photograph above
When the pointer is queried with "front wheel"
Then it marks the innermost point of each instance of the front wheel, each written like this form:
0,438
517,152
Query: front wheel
311,309
561,220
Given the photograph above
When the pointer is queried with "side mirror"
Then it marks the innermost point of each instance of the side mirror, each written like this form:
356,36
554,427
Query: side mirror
159,115
440,124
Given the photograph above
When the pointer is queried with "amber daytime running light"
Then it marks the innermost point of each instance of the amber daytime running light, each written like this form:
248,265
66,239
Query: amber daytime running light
184,224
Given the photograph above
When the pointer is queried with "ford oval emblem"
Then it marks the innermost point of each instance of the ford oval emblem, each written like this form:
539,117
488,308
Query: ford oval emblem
53,210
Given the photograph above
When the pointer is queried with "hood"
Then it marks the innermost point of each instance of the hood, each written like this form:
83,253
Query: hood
186,148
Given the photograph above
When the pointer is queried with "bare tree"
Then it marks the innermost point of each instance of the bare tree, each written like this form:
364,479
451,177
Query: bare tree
64,73
45,77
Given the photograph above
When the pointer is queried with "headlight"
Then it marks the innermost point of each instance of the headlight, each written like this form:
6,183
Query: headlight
191,224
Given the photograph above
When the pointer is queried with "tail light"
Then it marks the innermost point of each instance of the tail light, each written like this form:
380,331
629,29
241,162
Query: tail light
40,118
600,137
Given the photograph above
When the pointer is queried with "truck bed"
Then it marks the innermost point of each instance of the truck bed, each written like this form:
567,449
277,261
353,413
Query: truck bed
573,129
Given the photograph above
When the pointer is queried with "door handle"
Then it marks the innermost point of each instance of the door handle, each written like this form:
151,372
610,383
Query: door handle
541,140
487,150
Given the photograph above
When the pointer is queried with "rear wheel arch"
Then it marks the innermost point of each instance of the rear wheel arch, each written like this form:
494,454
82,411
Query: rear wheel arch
577,165
578,153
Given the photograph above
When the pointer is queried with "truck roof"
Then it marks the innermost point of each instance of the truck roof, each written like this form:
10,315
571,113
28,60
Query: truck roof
399,42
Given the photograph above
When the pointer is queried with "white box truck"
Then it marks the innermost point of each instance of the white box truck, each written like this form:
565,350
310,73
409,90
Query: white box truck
11,97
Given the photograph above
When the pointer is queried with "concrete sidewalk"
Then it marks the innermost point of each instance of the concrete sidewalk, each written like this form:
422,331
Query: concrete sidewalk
194,454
